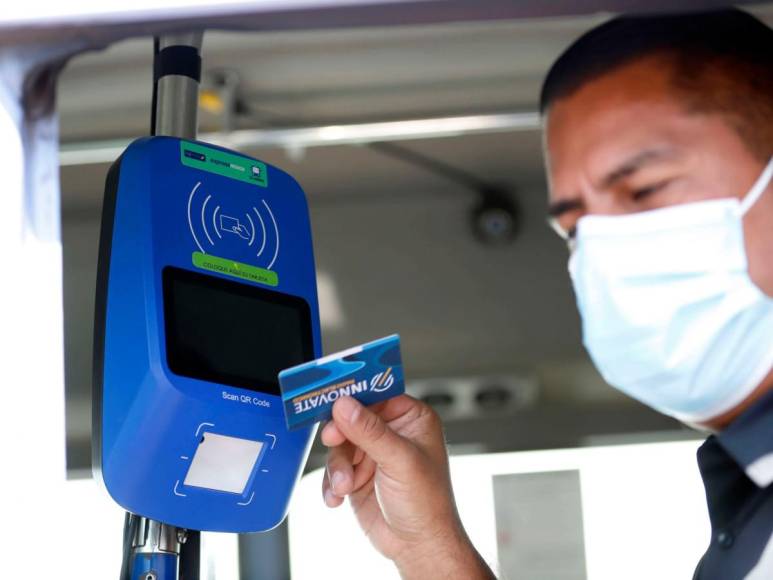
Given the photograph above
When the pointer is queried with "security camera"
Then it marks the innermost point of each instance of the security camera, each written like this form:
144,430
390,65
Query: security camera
496,217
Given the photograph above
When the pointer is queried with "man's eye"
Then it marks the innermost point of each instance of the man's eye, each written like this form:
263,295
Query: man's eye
645,191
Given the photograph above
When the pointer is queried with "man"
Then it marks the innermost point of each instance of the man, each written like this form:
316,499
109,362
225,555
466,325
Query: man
658,144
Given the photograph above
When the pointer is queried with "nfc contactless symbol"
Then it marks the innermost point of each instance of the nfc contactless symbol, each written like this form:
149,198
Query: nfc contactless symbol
232,225
251,227
382,381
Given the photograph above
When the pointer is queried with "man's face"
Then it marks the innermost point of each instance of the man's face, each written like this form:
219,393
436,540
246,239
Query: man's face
625,143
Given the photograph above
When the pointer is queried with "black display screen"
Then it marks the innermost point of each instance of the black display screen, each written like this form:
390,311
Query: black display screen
231,333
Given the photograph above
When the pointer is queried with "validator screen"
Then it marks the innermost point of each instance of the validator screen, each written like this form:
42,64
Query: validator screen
232,333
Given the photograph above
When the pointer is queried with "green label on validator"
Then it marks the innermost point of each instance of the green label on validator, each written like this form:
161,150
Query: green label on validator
235,269
222,163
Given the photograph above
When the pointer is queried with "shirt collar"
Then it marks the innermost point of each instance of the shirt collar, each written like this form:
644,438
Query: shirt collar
749,441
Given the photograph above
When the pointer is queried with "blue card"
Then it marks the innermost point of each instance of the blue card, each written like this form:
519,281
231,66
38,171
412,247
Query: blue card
370,373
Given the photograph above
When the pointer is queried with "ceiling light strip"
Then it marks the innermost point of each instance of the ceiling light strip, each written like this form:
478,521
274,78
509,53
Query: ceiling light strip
305,137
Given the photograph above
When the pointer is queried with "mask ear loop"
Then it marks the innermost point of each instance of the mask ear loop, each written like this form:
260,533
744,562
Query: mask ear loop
758,188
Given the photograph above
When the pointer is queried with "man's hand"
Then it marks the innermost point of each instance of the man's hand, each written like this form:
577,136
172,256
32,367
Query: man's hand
391,461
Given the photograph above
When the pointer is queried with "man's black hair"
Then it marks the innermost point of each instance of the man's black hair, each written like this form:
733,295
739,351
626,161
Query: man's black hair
720,61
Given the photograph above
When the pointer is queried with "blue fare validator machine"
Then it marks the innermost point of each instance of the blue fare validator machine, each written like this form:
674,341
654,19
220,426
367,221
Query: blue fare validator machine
206,290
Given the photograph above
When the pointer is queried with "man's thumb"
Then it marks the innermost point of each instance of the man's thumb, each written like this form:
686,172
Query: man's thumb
369,432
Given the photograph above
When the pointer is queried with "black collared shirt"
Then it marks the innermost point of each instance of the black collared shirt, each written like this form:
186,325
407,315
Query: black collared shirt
737,471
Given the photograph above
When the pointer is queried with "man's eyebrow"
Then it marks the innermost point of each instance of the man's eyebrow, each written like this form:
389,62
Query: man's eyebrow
626,169
558,208
634,164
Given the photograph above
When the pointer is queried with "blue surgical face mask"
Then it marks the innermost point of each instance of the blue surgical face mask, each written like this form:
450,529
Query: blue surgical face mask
670,315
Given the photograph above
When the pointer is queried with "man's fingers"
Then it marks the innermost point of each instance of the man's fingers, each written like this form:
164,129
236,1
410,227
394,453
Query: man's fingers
395,408
363,473
331,436
331,499
368,431
360,438
340,469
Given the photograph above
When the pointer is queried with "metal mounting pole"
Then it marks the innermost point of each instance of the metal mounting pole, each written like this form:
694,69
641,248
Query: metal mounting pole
177,73
154,550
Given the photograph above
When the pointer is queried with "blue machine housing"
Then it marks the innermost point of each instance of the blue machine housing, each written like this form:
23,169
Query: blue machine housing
165,209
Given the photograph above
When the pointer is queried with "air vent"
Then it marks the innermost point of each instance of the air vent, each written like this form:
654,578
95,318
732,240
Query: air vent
470,397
